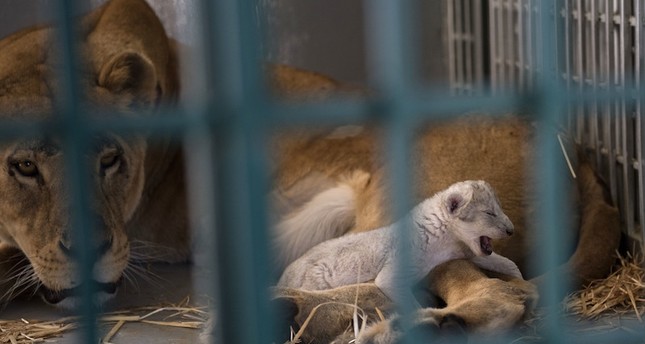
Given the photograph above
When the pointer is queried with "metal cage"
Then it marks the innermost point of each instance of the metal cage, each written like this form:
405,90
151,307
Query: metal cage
228,126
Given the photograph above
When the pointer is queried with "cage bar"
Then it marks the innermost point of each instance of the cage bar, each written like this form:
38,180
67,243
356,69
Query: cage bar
602,53
520,34
459,46
451,42
241,246
510,43
492,45
75,138
468,48
639,123
478,37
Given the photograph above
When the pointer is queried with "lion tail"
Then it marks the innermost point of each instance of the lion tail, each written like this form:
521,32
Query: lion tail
327,215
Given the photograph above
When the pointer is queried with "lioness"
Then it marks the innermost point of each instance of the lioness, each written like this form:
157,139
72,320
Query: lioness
128,66
138,187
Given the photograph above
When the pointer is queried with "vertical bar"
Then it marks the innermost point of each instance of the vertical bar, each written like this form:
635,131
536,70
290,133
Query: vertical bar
468,49
501,44
608,117
75,137
392,64
639,124
478,36
600,82
624,129
551,211
492,36
451,31
521,45
199,152
241,180
566,14
593,69
579,63
510,46
530,42
460,45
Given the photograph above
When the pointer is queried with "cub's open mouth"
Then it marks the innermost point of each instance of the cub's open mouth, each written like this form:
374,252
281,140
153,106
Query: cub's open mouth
486,245
55,296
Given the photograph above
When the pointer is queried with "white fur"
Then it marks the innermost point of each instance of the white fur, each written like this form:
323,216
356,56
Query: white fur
327,215
444,227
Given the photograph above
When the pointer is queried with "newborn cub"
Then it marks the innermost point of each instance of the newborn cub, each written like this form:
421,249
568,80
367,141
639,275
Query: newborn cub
458,222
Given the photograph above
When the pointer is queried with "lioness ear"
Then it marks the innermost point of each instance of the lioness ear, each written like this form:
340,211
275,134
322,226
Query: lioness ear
131,76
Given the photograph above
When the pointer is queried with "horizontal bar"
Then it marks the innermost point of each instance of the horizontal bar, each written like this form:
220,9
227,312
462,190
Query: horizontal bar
421,104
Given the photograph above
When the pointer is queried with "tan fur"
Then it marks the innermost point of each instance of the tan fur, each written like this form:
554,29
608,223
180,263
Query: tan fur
498,150
128,65
481,305
484,304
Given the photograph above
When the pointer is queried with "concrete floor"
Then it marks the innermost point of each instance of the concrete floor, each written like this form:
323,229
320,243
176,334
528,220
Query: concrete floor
173,285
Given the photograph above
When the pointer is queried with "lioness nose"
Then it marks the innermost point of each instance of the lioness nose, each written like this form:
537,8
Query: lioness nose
70,250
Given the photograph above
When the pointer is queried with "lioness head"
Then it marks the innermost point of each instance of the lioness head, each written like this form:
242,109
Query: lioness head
475,215
127,71
36,214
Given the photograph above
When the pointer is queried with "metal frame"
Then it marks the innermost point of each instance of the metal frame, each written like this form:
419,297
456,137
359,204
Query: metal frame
229,128
605,45
465,46
600,52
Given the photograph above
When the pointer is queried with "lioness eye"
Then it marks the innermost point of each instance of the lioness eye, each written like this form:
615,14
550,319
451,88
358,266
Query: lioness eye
109,160
26,168
490,213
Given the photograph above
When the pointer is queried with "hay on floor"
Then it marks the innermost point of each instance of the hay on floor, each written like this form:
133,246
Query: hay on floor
33,331
622,293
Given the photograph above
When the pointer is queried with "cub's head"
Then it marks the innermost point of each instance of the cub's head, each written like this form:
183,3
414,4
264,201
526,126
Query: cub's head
127,71
475,215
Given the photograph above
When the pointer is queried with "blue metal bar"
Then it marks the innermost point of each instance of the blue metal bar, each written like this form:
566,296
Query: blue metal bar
240,137
392,65
422,104
75,137
552,211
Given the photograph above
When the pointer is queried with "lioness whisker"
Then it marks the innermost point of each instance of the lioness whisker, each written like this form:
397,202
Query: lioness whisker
145,251
25,278
136,271
129,279
15,273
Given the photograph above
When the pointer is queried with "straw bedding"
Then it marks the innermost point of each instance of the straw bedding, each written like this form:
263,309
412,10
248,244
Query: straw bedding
27,331
622,293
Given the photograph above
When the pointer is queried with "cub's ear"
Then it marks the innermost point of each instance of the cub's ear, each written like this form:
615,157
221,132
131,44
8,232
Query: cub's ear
457,201
131,76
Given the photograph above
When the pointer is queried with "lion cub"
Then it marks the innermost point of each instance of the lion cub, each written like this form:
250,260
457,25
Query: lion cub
458,222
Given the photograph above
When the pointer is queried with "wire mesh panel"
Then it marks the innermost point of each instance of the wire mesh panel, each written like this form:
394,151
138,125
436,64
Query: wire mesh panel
512,42
465,50
601,54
